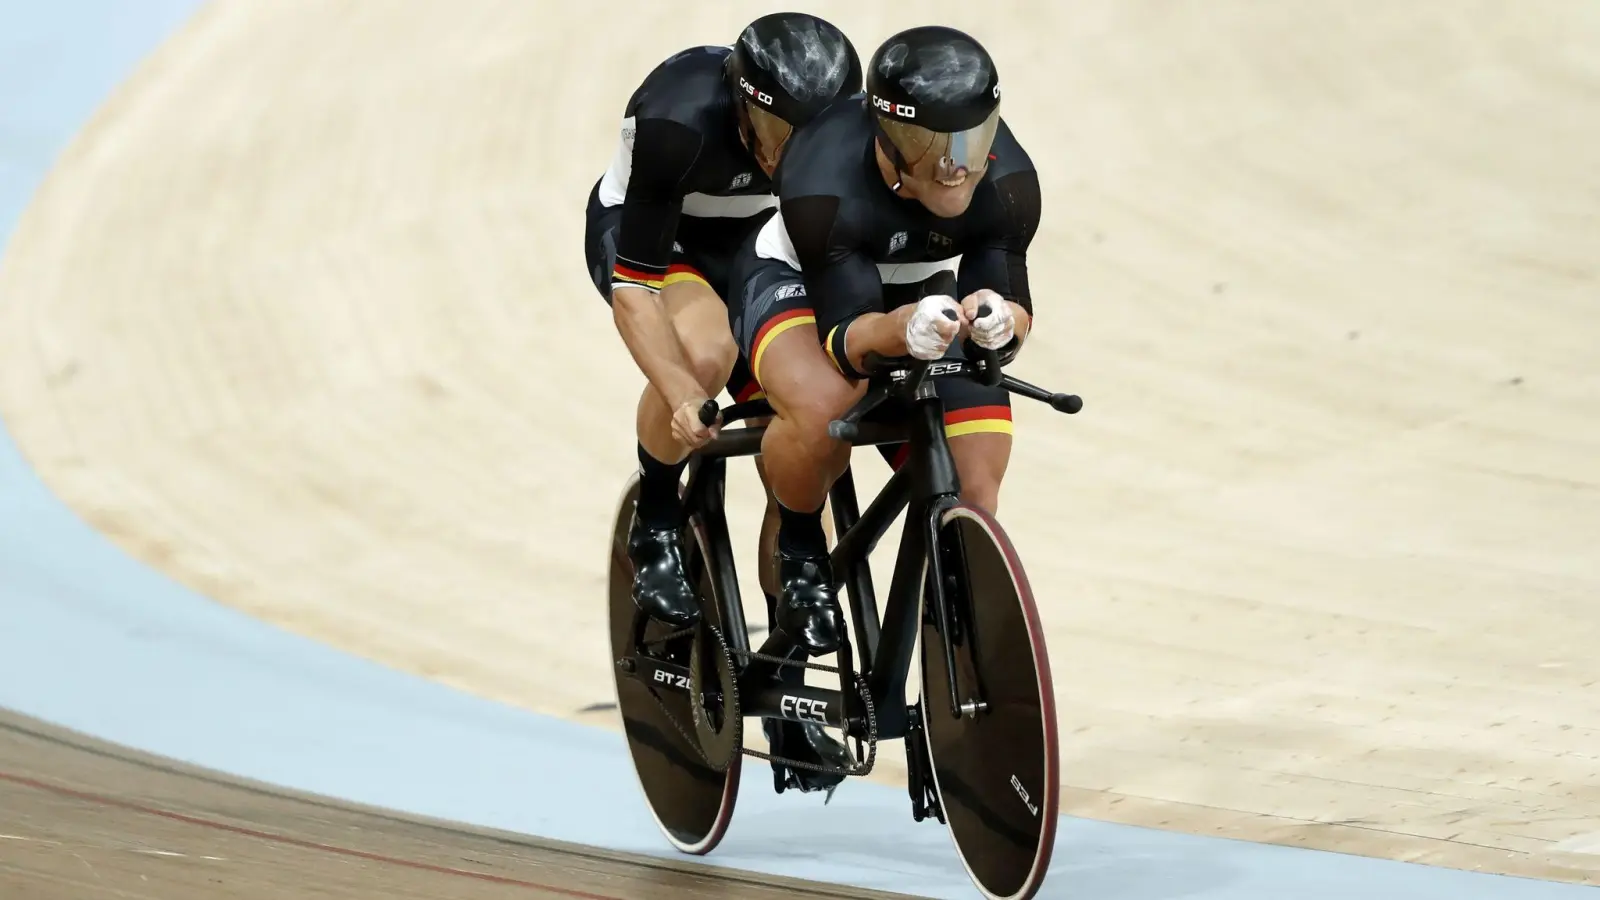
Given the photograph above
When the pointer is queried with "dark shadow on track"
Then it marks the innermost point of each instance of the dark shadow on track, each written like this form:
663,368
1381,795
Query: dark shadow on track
80,818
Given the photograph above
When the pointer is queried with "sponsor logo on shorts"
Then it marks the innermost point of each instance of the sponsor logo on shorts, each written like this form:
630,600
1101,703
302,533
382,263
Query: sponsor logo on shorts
789,292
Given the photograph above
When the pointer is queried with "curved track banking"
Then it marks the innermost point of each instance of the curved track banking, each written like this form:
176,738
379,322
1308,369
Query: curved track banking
83,637
299,319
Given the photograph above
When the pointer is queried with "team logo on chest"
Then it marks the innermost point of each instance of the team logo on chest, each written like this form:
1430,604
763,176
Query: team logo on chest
939,243
898,242
740,181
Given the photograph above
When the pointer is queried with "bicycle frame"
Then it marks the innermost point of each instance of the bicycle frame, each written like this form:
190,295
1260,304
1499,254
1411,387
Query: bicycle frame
926,487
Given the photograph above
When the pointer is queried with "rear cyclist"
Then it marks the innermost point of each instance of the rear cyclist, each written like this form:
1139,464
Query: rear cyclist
691,179
891,207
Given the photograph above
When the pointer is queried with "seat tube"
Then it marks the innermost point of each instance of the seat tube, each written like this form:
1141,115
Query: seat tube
858,575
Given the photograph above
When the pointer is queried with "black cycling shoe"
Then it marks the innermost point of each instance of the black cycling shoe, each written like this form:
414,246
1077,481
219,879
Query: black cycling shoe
661,586
808,609
805,742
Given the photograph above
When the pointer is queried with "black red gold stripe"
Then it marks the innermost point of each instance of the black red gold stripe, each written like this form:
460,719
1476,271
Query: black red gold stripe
636,277
978,420
681,272
749,391
957,422
773,327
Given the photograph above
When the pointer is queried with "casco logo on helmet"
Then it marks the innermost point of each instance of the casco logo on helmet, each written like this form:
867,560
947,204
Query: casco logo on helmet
764,98
996,92
896,109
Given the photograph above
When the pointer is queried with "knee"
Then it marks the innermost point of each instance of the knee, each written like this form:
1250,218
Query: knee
811,413
983,493
981,463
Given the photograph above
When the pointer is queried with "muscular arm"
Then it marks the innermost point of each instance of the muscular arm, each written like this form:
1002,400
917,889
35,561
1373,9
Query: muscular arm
999,262
664,152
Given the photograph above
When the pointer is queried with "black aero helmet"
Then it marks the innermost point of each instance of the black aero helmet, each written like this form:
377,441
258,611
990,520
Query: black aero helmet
786,68
936,95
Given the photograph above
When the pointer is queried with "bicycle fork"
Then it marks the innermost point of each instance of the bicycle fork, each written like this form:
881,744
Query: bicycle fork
939,589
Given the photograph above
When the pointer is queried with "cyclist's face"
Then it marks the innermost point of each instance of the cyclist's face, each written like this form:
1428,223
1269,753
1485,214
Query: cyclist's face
771,134
943,169
943,200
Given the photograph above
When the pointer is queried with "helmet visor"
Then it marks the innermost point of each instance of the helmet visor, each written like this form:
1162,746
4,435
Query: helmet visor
947,157
771,134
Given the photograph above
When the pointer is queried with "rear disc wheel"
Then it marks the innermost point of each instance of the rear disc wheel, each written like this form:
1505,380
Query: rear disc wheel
690,800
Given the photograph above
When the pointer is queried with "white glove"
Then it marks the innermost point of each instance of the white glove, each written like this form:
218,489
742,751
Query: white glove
995,330
933,326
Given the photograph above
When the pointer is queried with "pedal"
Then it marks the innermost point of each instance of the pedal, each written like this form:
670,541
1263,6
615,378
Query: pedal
785,778
786,772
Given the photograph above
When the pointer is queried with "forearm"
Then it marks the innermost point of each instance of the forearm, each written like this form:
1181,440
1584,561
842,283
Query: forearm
880,333
653,342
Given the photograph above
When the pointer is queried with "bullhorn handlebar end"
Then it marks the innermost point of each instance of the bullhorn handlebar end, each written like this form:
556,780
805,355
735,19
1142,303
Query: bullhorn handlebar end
1067,403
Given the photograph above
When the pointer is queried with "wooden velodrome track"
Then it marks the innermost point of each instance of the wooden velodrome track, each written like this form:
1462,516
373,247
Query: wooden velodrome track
102,821
301,320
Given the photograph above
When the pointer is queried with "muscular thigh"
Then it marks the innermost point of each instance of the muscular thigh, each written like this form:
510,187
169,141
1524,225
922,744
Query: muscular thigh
698,286
776,330
696,311
692,291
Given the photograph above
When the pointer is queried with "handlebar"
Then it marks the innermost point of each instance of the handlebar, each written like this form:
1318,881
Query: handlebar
903,375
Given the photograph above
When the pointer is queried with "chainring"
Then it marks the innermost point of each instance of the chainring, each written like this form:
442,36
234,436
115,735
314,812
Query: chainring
866,747
718,721
713,741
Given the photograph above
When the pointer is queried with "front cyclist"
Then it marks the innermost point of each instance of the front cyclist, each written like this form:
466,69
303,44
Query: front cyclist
891,207
701,137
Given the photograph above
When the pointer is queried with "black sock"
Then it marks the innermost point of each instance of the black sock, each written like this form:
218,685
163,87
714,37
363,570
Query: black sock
800,533
659,505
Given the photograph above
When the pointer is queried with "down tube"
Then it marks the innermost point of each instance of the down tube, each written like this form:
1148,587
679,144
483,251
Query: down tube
901,617
715,522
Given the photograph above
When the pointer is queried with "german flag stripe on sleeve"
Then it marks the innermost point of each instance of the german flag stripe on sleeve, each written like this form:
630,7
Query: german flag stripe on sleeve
828,346
634,275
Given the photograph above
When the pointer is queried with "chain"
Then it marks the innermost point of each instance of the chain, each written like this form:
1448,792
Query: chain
855,768
692,739
730,696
